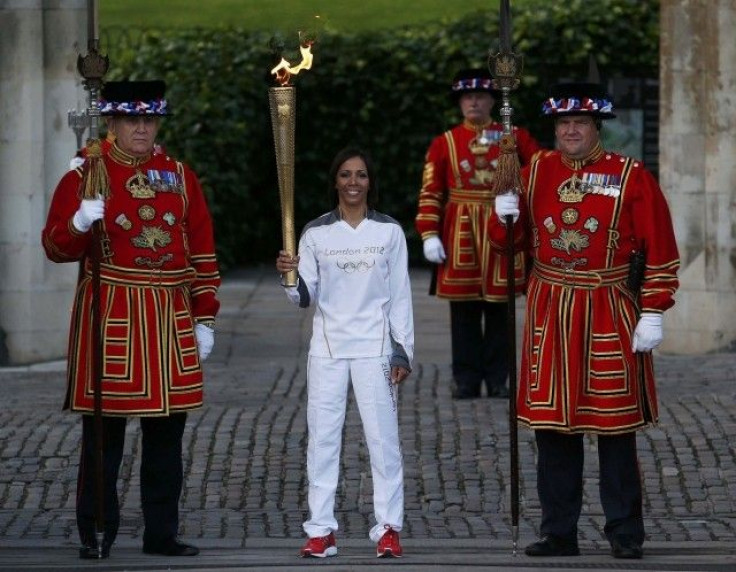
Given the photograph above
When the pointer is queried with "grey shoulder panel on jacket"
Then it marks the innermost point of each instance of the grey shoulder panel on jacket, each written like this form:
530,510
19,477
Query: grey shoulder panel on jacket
380,217
324,220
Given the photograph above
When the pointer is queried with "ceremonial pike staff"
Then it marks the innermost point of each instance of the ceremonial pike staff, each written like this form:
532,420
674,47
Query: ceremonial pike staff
94,184
505,67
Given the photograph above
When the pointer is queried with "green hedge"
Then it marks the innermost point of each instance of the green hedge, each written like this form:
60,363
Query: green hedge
387,92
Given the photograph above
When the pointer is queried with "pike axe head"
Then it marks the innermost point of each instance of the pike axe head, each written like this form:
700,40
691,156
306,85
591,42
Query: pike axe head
505,66
506,70
93,66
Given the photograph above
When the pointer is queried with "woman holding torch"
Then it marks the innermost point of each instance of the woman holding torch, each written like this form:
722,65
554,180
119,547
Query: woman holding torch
352,264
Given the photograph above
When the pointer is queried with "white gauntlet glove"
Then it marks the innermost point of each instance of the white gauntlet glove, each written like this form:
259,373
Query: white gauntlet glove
648,333
75,162
505,205
89,211
433,250
205,340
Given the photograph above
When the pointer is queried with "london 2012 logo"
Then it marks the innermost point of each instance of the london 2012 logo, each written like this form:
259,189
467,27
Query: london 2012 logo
351,266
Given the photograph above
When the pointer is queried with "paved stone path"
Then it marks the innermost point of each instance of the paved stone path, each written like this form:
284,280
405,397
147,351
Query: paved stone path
245,450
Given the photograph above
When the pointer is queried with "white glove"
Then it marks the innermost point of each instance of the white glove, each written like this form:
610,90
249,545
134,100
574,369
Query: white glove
205,340
75,162
507,204
648,333
433,250
89,211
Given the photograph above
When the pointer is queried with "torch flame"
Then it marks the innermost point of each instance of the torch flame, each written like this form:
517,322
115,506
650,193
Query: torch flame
283,71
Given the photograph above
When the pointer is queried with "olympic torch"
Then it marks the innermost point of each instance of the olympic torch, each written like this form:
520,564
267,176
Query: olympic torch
282,101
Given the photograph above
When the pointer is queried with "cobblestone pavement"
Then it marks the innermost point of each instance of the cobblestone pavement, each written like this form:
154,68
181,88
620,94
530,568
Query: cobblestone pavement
245,450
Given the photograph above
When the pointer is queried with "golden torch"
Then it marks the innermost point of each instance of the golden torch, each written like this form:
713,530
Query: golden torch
282,100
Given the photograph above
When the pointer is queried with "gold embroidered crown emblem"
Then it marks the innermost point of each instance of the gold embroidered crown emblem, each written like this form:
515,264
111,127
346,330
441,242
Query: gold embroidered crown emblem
477,147
139,188
571,191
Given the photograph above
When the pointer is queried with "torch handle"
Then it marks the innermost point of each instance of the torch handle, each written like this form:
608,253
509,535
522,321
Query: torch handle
282,102
288,237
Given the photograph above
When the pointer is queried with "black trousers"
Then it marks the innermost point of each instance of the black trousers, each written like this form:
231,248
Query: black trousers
479,345
560,484
161,476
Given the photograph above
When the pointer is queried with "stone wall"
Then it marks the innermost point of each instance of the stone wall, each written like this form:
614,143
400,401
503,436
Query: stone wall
38,84
698,168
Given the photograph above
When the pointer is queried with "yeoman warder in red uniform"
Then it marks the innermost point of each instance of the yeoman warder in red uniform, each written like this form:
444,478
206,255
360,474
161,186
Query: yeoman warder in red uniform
158,286
455,204
598,229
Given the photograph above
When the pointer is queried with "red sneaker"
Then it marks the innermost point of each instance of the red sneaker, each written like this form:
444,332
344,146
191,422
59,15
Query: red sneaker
319,547
389,545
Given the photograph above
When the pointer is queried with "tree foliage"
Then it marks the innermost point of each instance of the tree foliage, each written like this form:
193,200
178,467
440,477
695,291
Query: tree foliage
386,91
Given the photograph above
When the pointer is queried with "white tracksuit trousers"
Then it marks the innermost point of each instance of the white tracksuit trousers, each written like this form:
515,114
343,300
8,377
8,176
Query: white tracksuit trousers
376,396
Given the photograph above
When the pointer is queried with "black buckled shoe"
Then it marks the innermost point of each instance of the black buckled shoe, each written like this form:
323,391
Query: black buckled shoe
625,546
170,547
88,550
552,545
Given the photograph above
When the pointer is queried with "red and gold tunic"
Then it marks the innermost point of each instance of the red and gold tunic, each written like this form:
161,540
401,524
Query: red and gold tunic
455,203
158,277
580,221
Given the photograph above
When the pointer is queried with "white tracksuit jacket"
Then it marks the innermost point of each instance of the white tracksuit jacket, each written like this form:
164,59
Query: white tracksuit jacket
359,279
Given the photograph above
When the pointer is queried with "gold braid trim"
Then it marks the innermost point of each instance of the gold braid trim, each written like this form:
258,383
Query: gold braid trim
120,156
576,164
